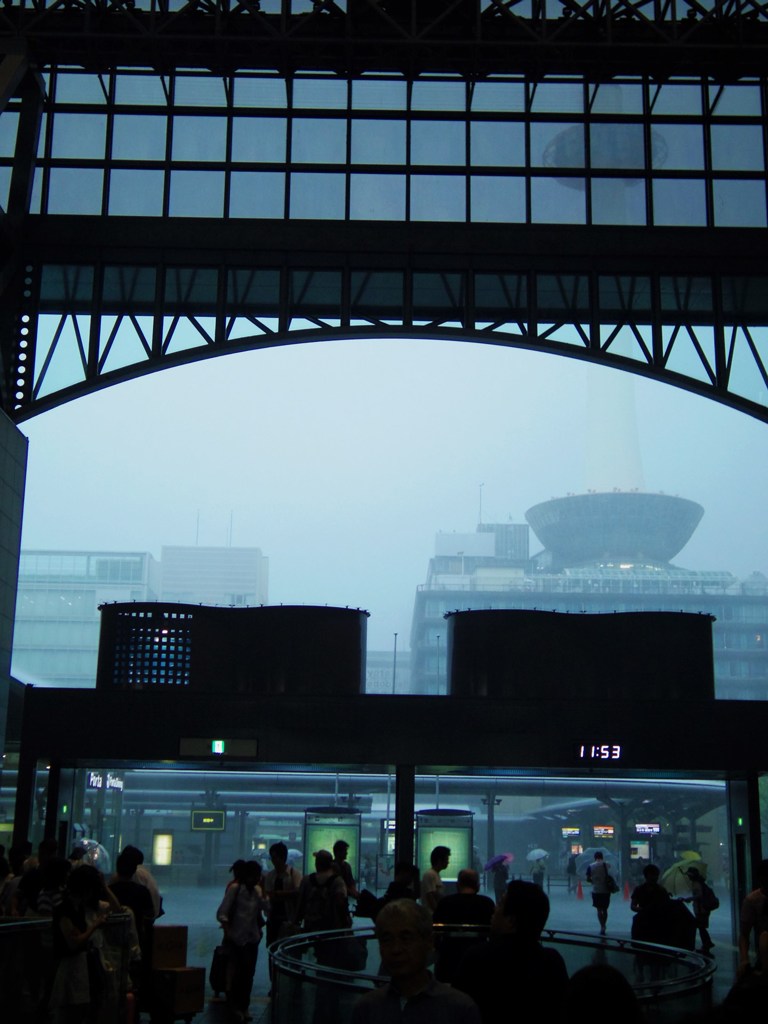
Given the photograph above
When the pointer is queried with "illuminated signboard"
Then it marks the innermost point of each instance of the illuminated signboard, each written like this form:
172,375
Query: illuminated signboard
208,821
105,780
603,831
648,829
569,832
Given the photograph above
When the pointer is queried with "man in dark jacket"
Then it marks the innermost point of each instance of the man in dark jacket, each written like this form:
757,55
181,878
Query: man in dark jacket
464,907
514,960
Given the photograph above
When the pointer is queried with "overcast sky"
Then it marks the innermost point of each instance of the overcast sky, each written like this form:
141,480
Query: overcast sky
342,460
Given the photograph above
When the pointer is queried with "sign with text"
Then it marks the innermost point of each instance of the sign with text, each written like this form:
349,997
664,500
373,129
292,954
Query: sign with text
208,821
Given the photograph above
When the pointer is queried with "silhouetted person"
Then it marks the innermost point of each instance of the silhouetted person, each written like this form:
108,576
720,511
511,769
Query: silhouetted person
699,892
657,919
570,873
754,921
464,907
600,986
32,878
404,931
77,919
431,883
404,885
241,916
281,887
513,968
138,900
144,876
500,878
342,865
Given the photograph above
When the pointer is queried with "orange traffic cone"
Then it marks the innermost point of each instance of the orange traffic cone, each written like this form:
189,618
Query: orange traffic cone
579,891
626,890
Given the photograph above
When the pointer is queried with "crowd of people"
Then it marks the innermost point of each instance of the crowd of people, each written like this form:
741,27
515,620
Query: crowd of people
73,979
489,981
428,941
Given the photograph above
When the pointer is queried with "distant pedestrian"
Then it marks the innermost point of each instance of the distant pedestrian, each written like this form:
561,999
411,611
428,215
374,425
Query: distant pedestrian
704,902
538,872
603,884
570,873
500,879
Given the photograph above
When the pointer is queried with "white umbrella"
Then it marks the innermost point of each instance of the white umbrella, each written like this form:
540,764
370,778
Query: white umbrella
537,854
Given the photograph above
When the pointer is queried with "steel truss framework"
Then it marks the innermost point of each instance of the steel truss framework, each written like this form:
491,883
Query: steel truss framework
89,301
110,318
470,37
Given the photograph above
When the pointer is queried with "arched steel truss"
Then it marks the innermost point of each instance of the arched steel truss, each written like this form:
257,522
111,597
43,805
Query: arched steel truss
91,300
111,317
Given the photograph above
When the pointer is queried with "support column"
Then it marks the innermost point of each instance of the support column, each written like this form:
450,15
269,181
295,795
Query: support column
405,805
746,847
25,793
27,140
51,826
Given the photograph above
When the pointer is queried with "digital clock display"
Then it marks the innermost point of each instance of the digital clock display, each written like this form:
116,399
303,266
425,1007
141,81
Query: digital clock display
599,751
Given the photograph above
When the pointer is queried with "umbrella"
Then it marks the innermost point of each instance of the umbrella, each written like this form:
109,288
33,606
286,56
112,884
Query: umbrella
499,858
537,854
675,879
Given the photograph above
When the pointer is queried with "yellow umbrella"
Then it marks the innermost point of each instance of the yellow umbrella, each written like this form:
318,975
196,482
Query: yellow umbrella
675,879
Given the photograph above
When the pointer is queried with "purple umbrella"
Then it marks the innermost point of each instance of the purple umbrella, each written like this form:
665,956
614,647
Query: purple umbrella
499,858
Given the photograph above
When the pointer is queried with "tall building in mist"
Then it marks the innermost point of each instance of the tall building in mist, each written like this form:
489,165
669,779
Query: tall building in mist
603,552
231,576
56,636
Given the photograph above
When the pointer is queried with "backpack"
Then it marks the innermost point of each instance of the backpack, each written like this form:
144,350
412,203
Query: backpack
321,908
709,900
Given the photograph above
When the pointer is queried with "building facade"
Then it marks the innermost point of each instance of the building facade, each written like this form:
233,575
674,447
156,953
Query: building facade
467,573
57,627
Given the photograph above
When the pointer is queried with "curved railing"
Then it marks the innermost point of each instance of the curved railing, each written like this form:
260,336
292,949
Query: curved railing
326,972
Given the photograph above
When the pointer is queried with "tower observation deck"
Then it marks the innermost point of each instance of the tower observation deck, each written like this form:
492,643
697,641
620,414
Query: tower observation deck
614,527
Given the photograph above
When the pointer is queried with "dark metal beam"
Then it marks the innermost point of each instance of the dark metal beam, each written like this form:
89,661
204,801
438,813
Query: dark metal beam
464,37
537,287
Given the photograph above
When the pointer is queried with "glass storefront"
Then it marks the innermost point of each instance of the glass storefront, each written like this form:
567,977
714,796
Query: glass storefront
193,823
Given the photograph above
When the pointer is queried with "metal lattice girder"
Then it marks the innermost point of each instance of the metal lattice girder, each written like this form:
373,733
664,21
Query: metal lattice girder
469,37
93,314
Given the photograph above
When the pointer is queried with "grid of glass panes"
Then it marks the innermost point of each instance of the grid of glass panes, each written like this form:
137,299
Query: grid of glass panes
507,150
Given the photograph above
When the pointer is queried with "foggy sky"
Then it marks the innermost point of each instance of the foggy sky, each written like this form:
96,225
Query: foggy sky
342,460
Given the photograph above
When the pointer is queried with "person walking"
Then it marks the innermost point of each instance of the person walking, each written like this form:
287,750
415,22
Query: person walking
703,900
603,884
241,916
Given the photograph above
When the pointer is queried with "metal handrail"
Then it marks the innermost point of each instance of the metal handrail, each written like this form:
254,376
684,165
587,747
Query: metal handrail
287,957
